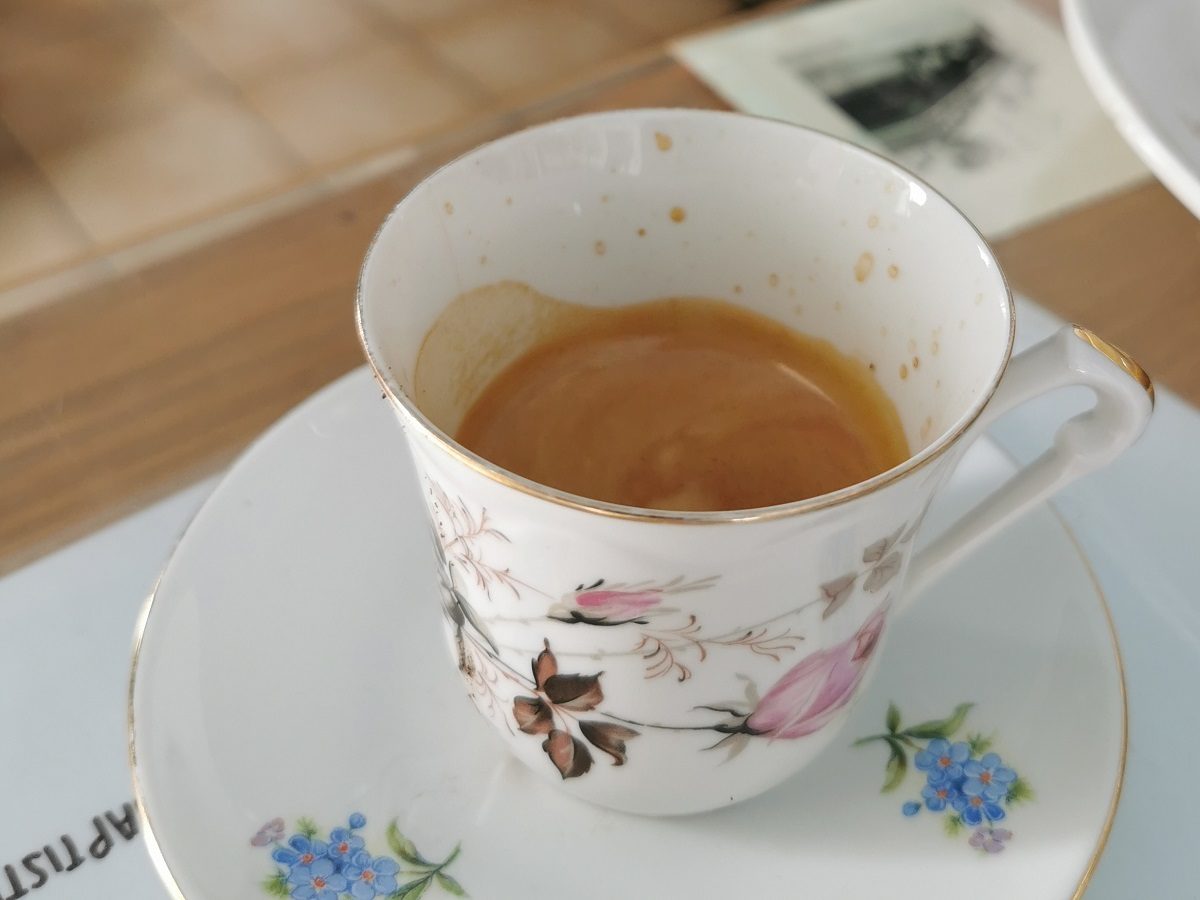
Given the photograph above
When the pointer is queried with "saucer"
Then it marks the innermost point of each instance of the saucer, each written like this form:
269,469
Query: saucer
298,729
1140,61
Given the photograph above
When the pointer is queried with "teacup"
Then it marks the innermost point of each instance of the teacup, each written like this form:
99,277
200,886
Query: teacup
662,662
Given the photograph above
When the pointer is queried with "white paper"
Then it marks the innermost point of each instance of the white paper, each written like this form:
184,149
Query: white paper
67,622
981,98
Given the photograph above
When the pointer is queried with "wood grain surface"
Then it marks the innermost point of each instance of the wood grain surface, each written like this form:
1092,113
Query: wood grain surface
121,393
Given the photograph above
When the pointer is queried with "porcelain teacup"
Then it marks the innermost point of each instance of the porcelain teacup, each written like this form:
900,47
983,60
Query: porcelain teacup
667,662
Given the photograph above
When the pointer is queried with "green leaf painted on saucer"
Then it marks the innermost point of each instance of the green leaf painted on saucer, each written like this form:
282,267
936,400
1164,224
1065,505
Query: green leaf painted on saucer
404,848
1020,792
411,891
450,885
276,885
893,718
897,766
979,743
941,728
306,826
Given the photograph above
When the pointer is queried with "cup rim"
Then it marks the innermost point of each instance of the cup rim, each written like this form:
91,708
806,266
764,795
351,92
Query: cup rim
934,450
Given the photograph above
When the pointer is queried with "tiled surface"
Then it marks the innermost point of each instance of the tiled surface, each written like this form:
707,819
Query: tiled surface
666,18
28,26
124,119
38,228
199,155
420,13
372,95
246,40
512,46
73,89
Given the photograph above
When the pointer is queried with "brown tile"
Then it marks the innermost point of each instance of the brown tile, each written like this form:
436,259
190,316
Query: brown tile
667,18
521,44
28,26
200,155
247,39
77,87
39,232
377,94
427,12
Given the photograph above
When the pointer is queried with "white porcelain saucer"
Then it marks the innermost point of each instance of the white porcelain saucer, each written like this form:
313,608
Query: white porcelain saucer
298,730
1140,59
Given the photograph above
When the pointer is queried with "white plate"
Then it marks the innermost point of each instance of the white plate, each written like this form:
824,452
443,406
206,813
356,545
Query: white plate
291,665
1142,60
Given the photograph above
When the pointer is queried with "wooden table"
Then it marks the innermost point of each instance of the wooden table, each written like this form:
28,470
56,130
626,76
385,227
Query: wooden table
117,394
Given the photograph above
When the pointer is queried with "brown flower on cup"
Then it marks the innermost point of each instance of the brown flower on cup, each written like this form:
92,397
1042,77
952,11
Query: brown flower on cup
558,701
883,562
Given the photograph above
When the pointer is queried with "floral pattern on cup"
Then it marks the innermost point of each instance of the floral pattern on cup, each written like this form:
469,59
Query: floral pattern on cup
557,706
883,561
461,539
803,701
564,710
966,782
808,696
599,606
309,868
668,648
600,603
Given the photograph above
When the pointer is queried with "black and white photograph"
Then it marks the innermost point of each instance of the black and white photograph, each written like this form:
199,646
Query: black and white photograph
980,98
925,93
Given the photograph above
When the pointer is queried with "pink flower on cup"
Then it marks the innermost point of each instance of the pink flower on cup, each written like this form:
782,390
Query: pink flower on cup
598,605
808,696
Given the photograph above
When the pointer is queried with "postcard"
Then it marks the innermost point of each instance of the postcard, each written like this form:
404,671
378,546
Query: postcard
981,98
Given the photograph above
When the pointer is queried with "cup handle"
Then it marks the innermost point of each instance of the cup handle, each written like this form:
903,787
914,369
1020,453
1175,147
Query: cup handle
1086,442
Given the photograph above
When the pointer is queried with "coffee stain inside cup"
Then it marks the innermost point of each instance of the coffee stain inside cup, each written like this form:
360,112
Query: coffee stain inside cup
478,335
863,267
